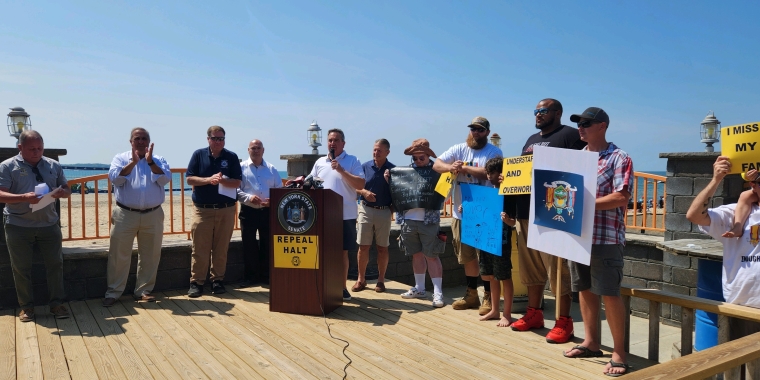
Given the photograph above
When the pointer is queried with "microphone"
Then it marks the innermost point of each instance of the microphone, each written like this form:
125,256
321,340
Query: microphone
332,154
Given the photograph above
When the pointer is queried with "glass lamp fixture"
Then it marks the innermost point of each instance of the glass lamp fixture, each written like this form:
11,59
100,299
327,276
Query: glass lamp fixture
710,131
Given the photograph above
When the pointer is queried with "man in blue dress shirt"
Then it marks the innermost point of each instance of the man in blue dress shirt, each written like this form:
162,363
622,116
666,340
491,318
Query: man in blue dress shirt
138,177
258,177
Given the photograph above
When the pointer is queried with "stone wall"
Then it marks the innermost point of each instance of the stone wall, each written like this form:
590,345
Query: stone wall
647,266
84,270
688,174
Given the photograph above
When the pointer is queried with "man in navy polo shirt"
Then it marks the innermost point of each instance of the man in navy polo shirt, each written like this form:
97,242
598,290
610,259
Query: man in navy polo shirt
215,174
374,216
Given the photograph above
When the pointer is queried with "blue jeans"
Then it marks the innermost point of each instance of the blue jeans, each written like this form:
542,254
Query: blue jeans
21,241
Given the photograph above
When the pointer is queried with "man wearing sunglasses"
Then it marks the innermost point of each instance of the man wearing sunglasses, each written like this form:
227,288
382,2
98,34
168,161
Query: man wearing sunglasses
468,162
214,214
374,217
604,275
138,177
24,229
537,267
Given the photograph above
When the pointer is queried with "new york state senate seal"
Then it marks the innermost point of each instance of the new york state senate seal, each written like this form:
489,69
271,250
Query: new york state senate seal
296,212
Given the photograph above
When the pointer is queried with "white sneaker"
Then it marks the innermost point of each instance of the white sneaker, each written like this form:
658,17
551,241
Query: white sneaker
414,293
438,300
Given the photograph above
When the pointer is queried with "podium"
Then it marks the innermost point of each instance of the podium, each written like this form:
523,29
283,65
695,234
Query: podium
306,272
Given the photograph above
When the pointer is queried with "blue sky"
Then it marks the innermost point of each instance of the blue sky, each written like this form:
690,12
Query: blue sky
88,72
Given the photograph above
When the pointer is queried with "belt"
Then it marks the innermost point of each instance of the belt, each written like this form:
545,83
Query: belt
215,206
375,207
143,211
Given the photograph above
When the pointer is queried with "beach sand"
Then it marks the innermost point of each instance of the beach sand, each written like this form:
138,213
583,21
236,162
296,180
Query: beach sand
96,219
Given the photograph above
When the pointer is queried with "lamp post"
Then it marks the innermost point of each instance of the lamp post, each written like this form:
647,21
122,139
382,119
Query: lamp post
496,140
314,137
18,121
710,131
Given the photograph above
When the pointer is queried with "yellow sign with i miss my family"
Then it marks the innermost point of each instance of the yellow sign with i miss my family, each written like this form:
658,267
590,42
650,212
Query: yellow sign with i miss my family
740,144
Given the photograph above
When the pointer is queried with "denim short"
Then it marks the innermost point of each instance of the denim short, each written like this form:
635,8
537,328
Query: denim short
605,274
349,234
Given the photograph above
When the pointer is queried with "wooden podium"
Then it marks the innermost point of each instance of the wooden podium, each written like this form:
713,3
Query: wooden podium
307,232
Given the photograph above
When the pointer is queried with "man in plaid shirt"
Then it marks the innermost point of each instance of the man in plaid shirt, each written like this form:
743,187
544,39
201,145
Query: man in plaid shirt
605,274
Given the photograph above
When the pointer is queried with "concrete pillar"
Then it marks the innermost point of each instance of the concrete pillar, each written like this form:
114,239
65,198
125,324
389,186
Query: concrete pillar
688,173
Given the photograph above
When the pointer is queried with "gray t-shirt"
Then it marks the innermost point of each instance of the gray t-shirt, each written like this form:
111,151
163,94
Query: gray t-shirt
17,176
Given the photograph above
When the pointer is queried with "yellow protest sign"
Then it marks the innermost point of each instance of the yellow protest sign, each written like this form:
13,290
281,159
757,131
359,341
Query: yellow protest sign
444,184
296,251
518,174
740,144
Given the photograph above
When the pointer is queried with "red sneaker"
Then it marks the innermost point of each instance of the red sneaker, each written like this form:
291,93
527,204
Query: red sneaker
533,319
562,331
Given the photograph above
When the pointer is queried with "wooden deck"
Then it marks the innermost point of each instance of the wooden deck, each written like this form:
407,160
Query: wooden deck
235,336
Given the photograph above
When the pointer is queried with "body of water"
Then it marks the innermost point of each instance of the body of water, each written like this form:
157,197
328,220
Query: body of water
95,169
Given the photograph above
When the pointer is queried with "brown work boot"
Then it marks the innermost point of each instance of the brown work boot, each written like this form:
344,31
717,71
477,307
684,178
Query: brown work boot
470,300
485,306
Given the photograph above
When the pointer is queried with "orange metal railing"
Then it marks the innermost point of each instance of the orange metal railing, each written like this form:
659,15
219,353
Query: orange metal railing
92,218
642,216
90,221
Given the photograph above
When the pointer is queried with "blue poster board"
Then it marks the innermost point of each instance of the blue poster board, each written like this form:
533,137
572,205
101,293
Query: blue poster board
481,217
558,201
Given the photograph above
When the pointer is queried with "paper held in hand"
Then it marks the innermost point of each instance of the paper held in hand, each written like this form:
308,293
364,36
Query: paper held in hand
46,196
227,191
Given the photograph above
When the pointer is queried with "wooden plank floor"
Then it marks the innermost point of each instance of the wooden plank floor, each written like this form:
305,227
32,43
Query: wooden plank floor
235,336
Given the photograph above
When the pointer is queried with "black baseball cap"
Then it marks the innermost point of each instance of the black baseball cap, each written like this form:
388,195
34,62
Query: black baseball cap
593,113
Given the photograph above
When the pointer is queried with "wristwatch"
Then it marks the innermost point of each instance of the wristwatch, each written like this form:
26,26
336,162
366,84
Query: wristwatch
151,163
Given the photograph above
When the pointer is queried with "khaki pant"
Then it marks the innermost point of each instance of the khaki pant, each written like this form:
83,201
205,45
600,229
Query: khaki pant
211,234
537,267
149,230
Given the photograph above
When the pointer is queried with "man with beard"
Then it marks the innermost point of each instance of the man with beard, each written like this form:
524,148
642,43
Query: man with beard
537,267
467,161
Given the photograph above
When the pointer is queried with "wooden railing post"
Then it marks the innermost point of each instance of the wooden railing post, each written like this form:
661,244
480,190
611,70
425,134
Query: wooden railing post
724,332
687,329
627,340
654,331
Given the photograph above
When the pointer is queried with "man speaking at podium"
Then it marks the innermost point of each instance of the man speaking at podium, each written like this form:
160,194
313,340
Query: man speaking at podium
343,174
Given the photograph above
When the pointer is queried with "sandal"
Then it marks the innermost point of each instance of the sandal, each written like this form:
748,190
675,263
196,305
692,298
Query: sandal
359,286
614,364
585,353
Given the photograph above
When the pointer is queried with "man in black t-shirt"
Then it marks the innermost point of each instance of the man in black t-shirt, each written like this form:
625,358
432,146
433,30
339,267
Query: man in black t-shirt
537,267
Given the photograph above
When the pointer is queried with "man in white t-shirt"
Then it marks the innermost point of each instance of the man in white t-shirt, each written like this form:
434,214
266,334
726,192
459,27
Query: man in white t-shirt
741,256
343,174
468,161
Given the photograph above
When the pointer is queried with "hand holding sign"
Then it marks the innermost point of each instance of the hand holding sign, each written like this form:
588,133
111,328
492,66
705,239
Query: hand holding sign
739,144
517,174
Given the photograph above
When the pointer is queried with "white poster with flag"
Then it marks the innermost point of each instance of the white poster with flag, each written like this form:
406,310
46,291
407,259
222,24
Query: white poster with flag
558,241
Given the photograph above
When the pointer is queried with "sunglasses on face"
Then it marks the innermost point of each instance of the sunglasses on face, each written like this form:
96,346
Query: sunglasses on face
587,123
420,158
477,129
217,139
541,111
37,174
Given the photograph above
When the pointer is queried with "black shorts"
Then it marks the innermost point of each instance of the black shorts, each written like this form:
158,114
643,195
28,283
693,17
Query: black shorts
498,266
349,234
